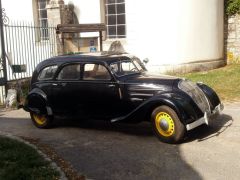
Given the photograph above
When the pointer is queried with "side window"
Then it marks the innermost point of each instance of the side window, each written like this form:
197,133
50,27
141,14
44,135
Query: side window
47,72
95,72
70,72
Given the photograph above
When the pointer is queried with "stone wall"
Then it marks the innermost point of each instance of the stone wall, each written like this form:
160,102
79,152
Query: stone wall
232,39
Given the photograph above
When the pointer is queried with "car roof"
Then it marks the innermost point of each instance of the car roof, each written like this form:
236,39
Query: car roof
94,57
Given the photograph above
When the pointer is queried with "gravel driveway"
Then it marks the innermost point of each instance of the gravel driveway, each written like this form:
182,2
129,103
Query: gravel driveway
102,150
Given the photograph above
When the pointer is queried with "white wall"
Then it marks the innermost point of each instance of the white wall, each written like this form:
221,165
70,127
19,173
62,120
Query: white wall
175,32
87,12
201,30
151,29
18,10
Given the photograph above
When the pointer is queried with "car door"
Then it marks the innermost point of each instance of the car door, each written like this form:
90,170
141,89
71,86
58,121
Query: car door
65,93
100,95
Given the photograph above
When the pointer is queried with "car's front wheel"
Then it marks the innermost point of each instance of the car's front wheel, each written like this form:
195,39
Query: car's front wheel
41,121
166,125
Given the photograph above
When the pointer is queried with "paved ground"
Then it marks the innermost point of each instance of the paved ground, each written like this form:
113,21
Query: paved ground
120,151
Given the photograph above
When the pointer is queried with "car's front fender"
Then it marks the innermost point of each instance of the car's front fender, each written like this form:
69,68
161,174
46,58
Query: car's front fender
185,108
210,94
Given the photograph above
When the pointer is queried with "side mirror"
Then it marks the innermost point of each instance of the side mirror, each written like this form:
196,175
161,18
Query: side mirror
146,60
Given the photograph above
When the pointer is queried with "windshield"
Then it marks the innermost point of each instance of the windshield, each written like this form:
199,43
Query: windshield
126,67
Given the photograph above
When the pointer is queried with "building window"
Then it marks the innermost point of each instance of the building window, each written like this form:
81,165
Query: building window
42,19
115,18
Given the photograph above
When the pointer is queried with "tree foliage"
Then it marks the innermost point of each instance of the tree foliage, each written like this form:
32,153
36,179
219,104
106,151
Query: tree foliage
232,7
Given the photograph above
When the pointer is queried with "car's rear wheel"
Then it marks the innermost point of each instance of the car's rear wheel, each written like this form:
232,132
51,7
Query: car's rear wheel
41,121
166,125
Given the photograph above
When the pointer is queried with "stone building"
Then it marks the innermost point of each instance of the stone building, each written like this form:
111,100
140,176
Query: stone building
179,35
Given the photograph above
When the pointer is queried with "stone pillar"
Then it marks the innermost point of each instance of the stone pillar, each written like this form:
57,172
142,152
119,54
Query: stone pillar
54,9
54,12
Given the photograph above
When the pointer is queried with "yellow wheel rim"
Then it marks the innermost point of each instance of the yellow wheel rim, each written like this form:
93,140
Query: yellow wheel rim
39,119
164,124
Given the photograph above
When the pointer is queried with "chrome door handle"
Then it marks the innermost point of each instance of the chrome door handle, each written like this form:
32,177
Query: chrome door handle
111,85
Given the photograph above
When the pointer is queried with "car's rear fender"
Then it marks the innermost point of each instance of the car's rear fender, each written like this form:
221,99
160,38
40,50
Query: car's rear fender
37,102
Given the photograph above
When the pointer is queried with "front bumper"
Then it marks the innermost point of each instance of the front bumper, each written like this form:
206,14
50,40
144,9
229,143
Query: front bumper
206,118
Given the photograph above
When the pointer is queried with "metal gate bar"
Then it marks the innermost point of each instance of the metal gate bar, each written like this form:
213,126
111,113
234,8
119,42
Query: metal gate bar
25,48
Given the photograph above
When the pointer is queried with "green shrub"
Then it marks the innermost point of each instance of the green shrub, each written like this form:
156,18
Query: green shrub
232,7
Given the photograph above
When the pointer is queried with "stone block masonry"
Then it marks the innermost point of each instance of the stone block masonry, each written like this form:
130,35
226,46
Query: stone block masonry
232,39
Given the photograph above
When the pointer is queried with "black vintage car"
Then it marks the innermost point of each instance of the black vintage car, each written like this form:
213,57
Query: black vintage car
118,88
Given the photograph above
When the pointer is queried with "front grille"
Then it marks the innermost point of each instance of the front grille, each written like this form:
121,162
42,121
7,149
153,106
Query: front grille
196,94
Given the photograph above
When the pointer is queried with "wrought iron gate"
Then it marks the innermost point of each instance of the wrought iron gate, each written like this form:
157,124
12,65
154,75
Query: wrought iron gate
23,45
27,45
3,70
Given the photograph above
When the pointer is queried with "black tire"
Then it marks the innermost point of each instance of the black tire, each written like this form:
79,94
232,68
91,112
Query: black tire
42,121
166,125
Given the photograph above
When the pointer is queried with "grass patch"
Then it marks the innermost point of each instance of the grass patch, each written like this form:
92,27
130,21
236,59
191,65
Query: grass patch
225,81
20,161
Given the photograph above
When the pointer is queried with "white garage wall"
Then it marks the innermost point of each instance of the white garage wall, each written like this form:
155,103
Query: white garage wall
201,30
152,30
175,32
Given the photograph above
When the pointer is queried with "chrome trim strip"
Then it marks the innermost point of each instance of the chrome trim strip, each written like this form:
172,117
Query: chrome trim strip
141,94
120,93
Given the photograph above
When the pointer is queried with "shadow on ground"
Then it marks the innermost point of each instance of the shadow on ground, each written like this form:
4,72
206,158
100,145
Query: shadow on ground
201,133
138,129
102,150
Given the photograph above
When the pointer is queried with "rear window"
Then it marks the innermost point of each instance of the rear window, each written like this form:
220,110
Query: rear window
47,72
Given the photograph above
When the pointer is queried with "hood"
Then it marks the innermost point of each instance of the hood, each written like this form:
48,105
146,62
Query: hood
143,86
151,80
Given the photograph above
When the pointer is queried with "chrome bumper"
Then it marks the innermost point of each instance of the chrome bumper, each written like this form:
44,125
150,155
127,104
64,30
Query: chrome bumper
205,119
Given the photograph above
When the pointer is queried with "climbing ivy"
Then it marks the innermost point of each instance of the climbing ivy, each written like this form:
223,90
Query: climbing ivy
232,7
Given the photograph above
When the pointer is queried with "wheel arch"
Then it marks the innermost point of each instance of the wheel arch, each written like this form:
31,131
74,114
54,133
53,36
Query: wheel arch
163,101
37,102
182,104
